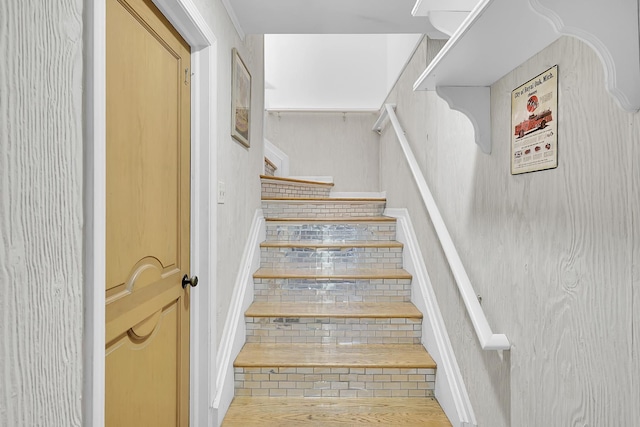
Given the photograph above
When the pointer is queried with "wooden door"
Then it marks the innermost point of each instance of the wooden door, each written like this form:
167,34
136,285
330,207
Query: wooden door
147,208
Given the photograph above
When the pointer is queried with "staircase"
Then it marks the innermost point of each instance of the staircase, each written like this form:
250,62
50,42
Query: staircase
332,337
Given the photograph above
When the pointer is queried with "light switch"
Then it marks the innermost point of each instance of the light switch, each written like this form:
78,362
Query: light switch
221,192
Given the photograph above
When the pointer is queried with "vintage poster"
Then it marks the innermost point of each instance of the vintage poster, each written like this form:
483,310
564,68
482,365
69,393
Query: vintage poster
240,100
534,124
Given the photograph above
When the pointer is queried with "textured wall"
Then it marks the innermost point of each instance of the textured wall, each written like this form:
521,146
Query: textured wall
41,213
335,144
554,254
238,167
41,200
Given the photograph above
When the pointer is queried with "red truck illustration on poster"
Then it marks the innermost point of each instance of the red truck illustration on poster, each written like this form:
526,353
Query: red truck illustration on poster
534,122
534,126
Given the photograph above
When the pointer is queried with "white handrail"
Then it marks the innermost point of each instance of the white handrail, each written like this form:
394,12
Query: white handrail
377,126
488,340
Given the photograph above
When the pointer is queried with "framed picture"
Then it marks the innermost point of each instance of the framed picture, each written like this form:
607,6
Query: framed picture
240,100
534,124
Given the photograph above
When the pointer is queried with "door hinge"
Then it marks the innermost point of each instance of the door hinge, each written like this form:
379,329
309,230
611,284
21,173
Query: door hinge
187,76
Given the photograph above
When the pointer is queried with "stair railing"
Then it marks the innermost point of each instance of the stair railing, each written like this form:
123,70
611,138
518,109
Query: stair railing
488,340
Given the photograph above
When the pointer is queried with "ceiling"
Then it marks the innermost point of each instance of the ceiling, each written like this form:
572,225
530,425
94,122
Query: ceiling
328,17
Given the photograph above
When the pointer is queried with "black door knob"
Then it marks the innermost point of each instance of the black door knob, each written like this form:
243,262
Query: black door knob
193,281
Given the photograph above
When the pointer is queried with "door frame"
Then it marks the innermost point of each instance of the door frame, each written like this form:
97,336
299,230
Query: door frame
188,21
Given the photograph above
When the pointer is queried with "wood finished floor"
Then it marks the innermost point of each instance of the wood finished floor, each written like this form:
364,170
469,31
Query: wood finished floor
339,309
308,412
269,355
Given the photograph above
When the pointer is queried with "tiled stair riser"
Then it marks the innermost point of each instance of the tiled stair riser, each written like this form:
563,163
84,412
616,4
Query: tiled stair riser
269,168
330,232
335,382
330,381
325,290
273,209
294,190
336,258
332,330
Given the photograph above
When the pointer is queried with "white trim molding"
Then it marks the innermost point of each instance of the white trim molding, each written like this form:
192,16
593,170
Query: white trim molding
277,157
358,195
186,18
234,333
317,178
188,21
94,216
450,390
234,18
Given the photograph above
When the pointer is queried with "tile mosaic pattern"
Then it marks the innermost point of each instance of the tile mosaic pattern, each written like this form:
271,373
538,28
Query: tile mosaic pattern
294,190
330,232
333,330
269,168
335,382
328,290
341,259
329,209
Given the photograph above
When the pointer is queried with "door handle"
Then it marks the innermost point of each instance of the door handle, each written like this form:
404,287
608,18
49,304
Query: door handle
193,281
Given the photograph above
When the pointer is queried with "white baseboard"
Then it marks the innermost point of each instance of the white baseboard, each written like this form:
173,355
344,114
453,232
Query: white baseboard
450,390
234,333
359,194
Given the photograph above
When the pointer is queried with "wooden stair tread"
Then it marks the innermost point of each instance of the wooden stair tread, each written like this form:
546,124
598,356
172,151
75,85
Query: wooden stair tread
269,355
341,309
329,245
296,181
325,199
343,220
316,412
320,273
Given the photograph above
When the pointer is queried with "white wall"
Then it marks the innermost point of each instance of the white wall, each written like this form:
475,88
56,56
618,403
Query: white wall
333,71
238,167
41,213
554,254
399,50
335,144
